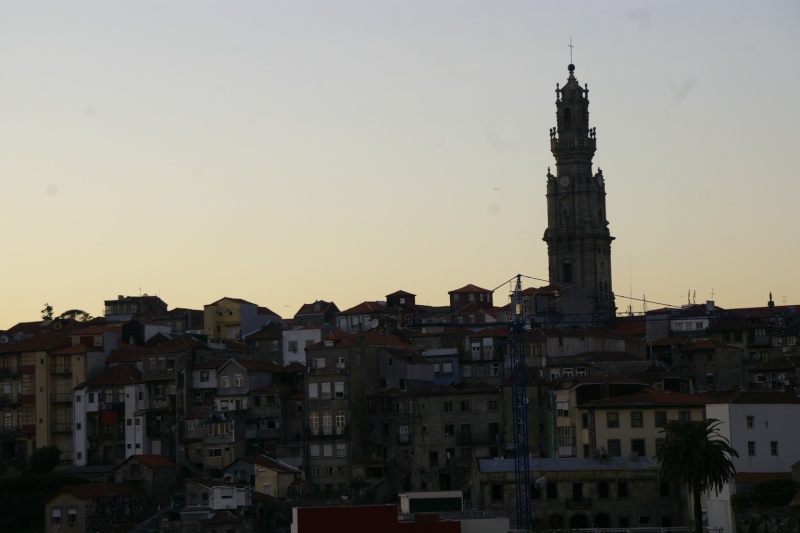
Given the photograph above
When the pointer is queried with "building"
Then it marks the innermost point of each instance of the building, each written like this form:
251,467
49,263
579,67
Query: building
577,235
234,318
94,506
579,493
267,476
382,518
760,427
155,475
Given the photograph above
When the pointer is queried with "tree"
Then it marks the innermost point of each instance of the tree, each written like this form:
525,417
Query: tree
76,314
45,459
697,457
47,312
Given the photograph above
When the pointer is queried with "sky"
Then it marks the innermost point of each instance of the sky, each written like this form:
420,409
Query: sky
284,152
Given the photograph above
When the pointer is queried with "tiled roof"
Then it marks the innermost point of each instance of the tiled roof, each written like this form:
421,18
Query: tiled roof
91,491
72,350
45,340
272,464
118,375
96,330
237,300
784,362
752,397
177,345
365,307
271,331
308,309
547,289
649,398
707,345
759,477
266,311
154,461
125,353
469,288
401,293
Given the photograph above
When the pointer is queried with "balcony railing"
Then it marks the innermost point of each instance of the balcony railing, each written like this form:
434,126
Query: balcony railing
9,371
61,427
61,397
9,430
8,399
61,368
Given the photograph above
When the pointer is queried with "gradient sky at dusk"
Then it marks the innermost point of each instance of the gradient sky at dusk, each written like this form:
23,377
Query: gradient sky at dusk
283,152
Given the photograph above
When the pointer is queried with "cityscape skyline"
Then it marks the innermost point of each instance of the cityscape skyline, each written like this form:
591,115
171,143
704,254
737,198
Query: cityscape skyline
288,153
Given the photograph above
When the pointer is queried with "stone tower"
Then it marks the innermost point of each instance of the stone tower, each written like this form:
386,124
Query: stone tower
577,235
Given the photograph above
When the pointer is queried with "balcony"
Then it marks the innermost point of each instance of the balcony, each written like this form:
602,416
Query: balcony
60,368
108,433
404,439
61,427
9,371
9,430
61,397
8,399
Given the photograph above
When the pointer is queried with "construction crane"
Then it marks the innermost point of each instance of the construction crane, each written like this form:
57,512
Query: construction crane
519,401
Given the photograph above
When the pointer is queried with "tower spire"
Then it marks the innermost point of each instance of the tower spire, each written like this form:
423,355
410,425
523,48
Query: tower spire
577,235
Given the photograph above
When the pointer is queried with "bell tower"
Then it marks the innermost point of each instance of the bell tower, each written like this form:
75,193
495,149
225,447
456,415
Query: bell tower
577,235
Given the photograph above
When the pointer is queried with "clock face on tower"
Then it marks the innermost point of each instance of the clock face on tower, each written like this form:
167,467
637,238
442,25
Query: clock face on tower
564,181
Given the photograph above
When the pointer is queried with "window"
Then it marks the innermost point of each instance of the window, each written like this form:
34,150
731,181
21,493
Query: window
326,391
313,391
91,397
213,452
448,407
55,515
685,416
773,447
340,421
292,346
341,450
319,362
327,451
225,382
447,368
492,405
622,489
637,420
750,422
313,450
565,436
494,369
585,421
449,430
552,491
637,447
327,423
497,492
751,448
661,419
612,419
465,405
614,448
204,376
313,422
338,389
72,515
238,380
580,371
602,489
562,408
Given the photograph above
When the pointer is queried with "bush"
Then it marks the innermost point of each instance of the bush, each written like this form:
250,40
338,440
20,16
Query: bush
44,460
773,493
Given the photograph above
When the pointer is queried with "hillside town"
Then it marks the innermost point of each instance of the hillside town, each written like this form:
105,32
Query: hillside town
234,418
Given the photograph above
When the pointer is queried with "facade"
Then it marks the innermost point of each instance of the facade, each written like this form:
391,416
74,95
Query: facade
581,493
316,314
234,318
267,476
155,475
577,235
94,506
760,427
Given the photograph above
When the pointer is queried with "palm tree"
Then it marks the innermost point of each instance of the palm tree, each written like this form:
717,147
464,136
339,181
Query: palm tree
696,456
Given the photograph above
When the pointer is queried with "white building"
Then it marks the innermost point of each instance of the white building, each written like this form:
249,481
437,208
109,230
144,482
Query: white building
295,342
760,427
109,425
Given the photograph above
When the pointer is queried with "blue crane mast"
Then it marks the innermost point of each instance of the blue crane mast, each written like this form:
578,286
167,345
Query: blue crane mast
519,400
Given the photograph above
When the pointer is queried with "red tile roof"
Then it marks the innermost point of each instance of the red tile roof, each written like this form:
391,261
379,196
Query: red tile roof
365,307
126,353
91,491
469,288
650,398
708,345
118,375
272,464
758,477
154,461
96,330
46,340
